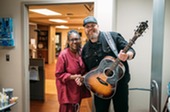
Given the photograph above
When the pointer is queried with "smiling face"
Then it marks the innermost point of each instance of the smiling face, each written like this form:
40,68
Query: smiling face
74,41
92,31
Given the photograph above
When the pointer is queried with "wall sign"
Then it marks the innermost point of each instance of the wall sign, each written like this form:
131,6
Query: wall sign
6,32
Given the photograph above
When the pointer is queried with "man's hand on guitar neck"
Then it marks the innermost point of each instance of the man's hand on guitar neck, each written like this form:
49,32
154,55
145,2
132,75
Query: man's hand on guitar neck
125,56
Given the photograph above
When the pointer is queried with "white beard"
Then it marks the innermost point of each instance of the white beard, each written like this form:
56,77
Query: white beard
93,35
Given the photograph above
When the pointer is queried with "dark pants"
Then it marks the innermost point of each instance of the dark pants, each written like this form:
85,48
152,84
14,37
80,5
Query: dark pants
120,100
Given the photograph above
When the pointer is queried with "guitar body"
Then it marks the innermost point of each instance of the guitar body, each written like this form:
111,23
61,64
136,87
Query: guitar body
102,81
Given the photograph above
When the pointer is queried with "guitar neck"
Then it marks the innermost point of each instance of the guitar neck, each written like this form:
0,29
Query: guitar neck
126,48
131,42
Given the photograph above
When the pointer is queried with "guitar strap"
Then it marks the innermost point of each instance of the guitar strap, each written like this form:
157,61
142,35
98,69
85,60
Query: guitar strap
111,42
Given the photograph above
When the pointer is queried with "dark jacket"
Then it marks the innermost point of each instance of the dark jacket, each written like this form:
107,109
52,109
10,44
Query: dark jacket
93,53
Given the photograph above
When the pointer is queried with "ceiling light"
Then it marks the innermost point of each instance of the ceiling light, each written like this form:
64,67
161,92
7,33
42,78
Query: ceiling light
45,12
58,20
62,27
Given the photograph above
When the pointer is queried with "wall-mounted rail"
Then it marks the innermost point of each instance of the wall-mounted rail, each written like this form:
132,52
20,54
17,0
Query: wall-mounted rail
154,103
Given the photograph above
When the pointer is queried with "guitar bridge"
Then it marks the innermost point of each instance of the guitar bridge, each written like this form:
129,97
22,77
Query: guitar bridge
102,81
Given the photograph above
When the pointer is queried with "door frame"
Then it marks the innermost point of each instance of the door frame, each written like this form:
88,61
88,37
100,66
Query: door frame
58,43
25,34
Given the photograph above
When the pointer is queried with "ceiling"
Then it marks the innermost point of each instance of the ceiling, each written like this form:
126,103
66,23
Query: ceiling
73,13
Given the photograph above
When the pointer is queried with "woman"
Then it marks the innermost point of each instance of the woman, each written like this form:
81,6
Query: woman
69,68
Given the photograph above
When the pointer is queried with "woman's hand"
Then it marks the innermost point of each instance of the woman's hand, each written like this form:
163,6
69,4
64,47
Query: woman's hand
73,77
79,80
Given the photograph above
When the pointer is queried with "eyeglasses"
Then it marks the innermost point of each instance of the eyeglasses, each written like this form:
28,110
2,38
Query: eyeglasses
74,39
90,25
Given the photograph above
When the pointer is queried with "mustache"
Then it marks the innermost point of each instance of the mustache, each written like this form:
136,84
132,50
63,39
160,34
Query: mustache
92,34
93,37
92,30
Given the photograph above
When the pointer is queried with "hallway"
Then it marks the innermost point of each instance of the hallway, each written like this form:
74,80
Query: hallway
51,102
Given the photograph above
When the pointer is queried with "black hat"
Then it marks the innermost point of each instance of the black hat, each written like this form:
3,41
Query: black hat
89,19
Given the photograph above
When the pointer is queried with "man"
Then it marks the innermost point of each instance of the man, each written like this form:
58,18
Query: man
94,51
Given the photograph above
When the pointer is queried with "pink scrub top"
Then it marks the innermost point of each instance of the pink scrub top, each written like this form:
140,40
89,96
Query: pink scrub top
68,64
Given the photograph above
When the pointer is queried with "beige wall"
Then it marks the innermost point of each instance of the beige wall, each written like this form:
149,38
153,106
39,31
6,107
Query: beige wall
15,74
166,59
12,72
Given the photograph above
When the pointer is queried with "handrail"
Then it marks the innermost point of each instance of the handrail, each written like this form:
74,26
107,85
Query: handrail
154,88
153,107
142,89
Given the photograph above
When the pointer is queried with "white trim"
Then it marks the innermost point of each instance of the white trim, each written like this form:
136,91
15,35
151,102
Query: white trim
25,27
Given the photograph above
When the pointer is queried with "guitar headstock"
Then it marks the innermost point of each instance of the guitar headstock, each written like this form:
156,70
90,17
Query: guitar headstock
141,28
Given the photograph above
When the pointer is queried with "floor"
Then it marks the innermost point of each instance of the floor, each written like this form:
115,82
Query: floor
51,102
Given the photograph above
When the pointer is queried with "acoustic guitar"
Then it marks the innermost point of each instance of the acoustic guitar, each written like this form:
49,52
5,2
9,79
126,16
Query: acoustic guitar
102,81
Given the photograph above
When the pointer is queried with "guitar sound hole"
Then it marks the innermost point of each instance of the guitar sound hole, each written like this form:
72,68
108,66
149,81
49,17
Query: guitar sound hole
108,72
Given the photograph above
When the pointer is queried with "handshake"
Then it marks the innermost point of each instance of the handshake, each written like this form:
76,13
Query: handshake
78,79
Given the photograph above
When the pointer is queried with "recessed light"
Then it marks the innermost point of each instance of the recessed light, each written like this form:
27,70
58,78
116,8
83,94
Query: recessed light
62,27
58,20
45,12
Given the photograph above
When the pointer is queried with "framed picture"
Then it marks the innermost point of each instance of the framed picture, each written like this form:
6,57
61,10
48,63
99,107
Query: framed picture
6,32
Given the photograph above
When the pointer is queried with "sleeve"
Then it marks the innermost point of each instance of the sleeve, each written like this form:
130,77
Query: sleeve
121,42
61,73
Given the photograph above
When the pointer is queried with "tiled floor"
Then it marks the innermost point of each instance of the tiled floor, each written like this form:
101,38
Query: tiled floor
51,102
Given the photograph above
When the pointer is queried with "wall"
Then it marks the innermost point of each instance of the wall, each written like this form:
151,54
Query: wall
15,74
129,14
11,73
166,54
